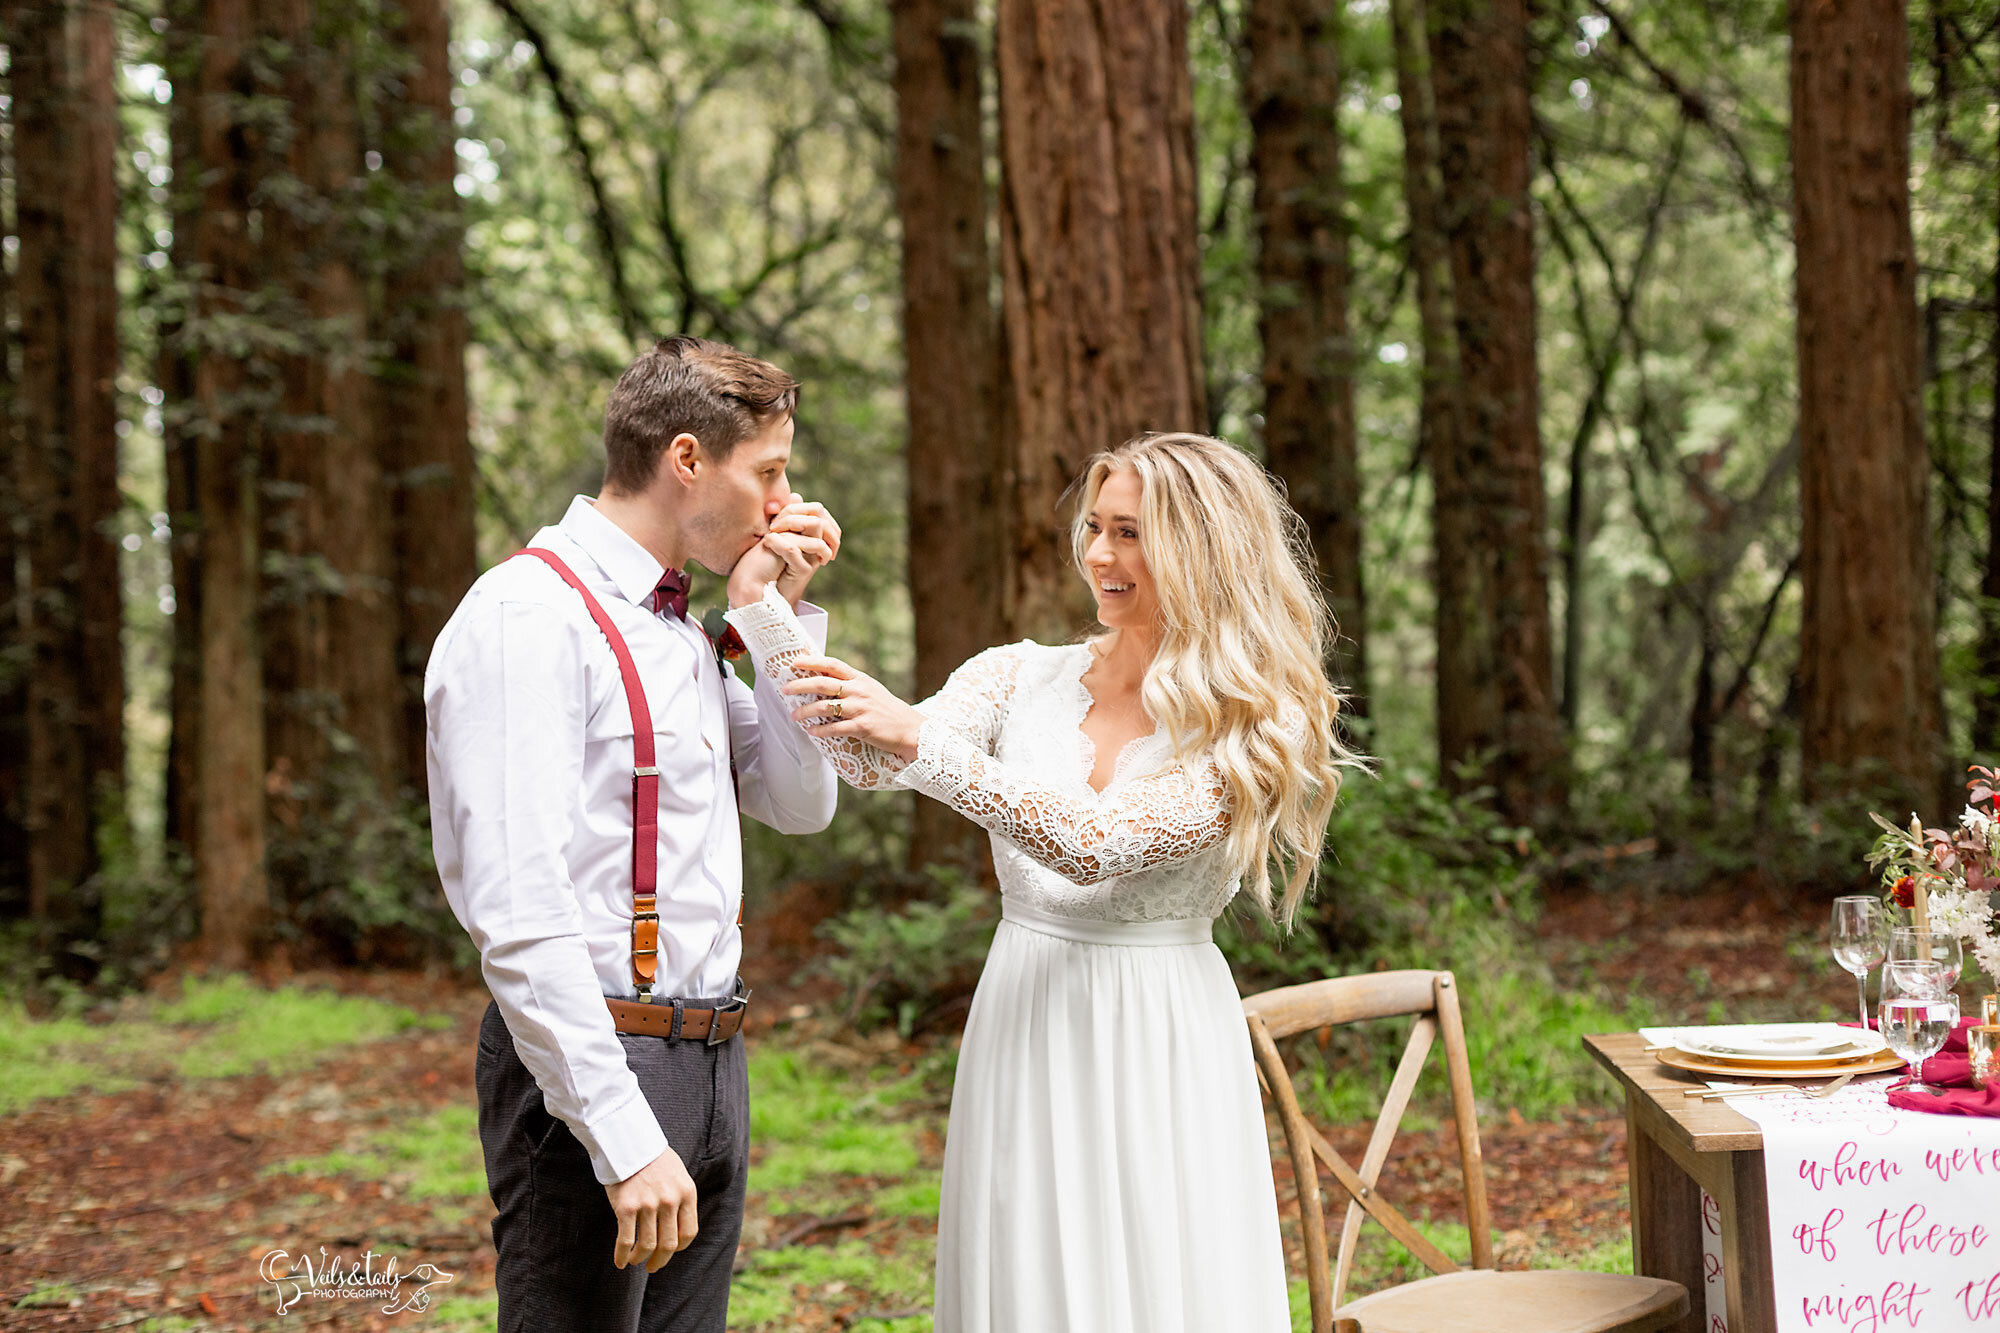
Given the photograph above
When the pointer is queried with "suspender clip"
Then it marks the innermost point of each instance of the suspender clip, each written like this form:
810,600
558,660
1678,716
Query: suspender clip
647,772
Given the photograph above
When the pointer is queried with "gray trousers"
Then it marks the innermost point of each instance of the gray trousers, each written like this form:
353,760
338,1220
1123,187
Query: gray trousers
555,1230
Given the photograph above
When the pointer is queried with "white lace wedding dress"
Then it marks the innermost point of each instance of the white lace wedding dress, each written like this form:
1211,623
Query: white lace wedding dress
1106,1168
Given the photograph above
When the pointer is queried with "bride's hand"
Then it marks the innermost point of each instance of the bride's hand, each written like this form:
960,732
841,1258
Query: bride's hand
840,701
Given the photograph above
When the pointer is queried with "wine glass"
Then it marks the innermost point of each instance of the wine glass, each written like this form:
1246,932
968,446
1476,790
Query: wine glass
1856,940
1918,1013
1909,947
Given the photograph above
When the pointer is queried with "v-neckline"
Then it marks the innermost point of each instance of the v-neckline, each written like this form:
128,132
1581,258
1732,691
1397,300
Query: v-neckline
1086,748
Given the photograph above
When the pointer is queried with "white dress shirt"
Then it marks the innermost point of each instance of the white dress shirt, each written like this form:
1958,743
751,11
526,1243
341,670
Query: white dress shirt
530,758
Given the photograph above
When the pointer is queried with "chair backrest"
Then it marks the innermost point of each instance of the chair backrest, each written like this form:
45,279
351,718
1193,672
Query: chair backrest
1432,999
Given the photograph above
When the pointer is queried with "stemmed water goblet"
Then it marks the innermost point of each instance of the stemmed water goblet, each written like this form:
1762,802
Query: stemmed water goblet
1918,1011
1909,947
1856,938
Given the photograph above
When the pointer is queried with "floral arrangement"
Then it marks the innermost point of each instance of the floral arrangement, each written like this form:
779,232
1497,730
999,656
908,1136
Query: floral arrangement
1947,876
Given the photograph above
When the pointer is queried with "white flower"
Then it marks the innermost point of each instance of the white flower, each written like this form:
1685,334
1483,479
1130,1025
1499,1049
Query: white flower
1962,914
1987,950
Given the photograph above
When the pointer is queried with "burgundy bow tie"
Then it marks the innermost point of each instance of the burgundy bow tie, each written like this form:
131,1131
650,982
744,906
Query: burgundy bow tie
672,594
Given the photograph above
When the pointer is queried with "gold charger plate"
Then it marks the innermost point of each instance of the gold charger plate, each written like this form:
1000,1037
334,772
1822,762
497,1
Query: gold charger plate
1875,1062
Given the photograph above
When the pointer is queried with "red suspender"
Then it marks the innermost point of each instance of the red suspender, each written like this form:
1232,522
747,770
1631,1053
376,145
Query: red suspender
645,789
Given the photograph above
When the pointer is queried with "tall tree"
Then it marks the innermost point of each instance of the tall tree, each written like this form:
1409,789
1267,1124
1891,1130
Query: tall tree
330,621
1292,88
957,529
223,414
1100,274
1868,668
1496,689
65,454
1986,691
180,433
13,609
427,441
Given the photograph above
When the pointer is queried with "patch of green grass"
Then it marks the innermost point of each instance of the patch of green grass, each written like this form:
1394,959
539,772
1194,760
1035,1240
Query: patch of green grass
466,1314
1610,1256
216,1029
436,1157
816,1122
171,1323
278,1030
762,1300
1381,1261
1523,1038
38,1059
1301,1305
916,1197
49,1295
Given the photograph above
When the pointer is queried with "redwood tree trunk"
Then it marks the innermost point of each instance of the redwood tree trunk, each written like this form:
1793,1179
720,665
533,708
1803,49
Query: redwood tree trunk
330,624
1496,689
1986,697
1460,577
1100,276
65,138
1293,90
1868,669
181,444
957,530
426,436
229,734
13,608
295,443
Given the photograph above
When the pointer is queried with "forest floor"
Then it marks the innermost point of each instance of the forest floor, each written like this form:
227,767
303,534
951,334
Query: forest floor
150,1156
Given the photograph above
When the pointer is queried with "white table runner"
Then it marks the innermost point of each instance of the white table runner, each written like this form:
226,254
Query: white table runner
1881,1219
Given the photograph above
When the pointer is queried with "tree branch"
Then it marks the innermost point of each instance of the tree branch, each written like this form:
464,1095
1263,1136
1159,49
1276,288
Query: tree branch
603,222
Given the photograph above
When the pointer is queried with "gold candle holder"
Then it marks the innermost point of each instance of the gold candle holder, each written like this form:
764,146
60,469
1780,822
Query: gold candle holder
1983,1044
1989,1011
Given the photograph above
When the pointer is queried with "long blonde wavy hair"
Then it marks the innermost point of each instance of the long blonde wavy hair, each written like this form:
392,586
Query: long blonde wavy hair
1243,637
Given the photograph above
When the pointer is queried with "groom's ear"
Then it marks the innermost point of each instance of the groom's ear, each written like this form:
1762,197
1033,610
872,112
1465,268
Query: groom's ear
684,460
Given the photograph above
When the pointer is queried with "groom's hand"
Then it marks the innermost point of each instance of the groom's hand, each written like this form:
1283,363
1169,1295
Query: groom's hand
802,537
656,1214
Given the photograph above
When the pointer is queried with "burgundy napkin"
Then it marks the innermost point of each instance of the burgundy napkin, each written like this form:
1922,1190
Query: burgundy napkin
1950,1068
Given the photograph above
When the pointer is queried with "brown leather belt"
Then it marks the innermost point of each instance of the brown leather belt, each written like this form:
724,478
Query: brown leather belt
710,1021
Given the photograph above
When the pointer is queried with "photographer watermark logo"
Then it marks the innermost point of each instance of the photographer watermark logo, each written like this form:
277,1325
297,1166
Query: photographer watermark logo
370,1276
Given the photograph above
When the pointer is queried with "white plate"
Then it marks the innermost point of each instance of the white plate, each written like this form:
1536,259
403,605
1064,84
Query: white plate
1805,1043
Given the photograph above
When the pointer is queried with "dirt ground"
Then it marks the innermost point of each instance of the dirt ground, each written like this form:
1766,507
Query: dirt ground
149,1205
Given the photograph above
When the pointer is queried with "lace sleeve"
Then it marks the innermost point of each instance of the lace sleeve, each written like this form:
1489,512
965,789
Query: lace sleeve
1151,821
972,702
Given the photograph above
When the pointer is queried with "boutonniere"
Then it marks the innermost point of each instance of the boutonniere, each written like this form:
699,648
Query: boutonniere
728,643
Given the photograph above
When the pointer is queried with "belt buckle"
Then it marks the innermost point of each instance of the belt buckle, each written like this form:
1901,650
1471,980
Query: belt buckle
735,1004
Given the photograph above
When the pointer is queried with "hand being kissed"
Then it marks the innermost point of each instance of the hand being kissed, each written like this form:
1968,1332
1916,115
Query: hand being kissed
802,537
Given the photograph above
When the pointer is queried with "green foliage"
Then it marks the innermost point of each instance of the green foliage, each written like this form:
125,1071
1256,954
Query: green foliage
905,964
216,1029
814,1122
33,1054
437,1157
277,1030
762,1298
466,1314
1415,877
49,1296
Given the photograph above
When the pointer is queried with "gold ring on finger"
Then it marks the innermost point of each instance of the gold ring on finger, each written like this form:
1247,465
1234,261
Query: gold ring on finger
836,708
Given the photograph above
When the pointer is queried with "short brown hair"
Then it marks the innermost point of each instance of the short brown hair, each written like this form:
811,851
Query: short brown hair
688,385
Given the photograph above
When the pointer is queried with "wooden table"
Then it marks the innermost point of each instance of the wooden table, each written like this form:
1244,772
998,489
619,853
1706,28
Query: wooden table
1675,1147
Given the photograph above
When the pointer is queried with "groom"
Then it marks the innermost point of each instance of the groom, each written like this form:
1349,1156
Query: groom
601,882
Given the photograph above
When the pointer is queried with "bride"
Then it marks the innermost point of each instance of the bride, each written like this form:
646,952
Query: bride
1106,1168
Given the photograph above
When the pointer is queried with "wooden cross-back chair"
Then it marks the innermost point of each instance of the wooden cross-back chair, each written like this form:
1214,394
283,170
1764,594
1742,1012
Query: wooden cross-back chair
1480,1298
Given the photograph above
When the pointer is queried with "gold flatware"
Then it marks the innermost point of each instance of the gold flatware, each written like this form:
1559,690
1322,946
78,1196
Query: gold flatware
1761,1089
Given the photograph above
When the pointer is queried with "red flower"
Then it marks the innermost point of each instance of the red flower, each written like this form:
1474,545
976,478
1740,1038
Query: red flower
1905,891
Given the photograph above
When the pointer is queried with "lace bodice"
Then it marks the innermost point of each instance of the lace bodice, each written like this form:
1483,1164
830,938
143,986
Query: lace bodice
1003,744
